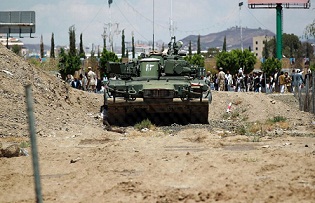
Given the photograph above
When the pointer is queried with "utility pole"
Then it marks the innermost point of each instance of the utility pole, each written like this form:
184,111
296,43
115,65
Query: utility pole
104,36
113,30
279,30
240,4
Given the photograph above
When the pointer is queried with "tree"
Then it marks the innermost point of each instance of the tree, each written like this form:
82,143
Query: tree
271,65
107,56
272,47
133,46
198,45
224,60
235,60
72,51
266,50
41,47
224,44
309,31
98,51
81,51
189,49
123,44
16,49
52,46
62,61
196,59
291,44
69,63
213,52
247,60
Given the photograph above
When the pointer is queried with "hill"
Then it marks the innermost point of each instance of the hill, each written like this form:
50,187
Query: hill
233,34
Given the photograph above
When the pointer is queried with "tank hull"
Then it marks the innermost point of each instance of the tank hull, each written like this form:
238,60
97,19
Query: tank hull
122,113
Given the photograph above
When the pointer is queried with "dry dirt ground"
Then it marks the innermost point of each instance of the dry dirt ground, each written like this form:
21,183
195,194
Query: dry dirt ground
238,157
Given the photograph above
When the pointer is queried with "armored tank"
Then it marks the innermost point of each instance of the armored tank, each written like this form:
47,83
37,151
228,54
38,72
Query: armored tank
163,88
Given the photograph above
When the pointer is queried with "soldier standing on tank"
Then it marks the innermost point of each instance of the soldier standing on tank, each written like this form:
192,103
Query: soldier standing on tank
221,80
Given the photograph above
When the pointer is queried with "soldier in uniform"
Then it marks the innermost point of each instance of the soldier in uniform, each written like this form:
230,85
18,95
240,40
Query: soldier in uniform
221,80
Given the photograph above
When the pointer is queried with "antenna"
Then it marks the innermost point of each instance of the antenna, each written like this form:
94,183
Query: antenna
104,36
153,28
171,21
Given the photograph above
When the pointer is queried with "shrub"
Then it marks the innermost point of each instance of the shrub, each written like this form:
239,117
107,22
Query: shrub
277,119
144,124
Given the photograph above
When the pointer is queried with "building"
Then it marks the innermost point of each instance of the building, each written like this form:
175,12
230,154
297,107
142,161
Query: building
259,44
11,42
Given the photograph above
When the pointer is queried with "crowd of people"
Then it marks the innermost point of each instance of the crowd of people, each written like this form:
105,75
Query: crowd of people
88,81
280,81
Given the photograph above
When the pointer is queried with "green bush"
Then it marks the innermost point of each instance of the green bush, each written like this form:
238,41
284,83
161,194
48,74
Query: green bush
144,124
24,144
277,119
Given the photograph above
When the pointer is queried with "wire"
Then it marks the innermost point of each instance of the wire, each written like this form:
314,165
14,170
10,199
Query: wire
257,20
93,19
146,18
130,23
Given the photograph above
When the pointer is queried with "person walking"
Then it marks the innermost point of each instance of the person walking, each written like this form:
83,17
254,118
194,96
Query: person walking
91,80
76,83
229,80
288,82
256,82
221,80
281,82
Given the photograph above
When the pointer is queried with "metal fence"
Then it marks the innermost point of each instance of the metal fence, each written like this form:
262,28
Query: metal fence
306,94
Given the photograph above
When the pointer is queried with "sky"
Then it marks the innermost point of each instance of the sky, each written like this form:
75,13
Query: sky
189,17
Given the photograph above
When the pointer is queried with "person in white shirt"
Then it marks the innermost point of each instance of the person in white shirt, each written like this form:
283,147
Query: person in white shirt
229,80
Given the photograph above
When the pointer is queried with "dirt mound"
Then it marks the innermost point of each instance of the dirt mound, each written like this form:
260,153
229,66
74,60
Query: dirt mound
57,106
257,107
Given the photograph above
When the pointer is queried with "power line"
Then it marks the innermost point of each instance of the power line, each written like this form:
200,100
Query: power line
130,23
258,20
92,19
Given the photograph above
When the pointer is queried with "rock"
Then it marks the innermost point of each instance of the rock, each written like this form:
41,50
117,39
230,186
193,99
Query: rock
75,160
11,151
144,129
